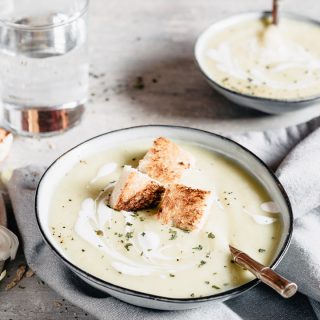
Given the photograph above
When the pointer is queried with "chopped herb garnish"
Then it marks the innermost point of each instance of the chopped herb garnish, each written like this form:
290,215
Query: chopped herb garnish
262,250
139,83
202,263
83,250
128,224
99,232
192,295
127,246
129,235
141,218
199,247
211,235
215,287
143,233
173,234
171,275
207,282
141,254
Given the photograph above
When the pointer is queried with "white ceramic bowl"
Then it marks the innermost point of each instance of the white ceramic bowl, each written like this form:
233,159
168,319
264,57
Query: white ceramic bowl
268,105
231,149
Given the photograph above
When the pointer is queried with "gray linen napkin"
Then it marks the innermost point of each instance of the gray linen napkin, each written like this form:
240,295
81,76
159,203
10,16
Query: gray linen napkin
295,152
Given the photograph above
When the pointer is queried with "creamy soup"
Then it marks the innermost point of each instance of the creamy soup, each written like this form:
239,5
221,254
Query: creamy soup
134,250
259,59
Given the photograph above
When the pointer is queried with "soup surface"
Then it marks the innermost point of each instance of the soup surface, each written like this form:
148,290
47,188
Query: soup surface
134,250
257,58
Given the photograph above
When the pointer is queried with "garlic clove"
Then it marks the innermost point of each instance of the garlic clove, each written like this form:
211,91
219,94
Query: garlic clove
6,140
9,244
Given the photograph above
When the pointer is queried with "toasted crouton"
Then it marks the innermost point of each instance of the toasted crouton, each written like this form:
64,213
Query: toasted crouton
183,207
165,161
135,191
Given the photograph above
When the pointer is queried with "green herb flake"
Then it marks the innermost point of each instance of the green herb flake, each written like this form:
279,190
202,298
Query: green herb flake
215,287
171,275
262,250
127,246
128,224
211,235
192,295
129,235
143,233
173,233
202,263
207,282
99,232
199,247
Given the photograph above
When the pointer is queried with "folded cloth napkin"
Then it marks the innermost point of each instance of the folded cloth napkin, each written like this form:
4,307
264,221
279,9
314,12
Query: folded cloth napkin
295,152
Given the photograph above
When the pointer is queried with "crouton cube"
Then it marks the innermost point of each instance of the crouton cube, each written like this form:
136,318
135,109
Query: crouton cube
184,207
135,191
165,161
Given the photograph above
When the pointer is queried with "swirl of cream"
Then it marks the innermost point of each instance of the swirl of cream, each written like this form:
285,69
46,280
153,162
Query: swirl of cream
8,244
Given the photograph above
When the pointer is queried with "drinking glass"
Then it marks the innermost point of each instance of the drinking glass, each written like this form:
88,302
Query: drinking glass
43,64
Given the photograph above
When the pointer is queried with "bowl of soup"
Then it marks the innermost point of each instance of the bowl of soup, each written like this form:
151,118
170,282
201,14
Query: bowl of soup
134,256
272,68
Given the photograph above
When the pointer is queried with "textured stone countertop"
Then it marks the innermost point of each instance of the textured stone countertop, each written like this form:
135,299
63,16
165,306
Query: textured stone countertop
153,40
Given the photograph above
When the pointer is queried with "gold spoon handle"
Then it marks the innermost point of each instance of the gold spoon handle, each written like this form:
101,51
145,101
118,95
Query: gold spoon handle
268,276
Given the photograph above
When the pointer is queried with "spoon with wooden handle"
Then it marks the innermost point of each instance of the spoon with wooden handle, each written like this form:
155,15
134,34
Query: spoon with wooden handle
275,12
268,276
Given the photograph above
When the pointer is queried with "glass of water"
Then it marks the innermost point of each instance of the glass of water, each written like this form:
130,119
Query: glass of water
43,64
